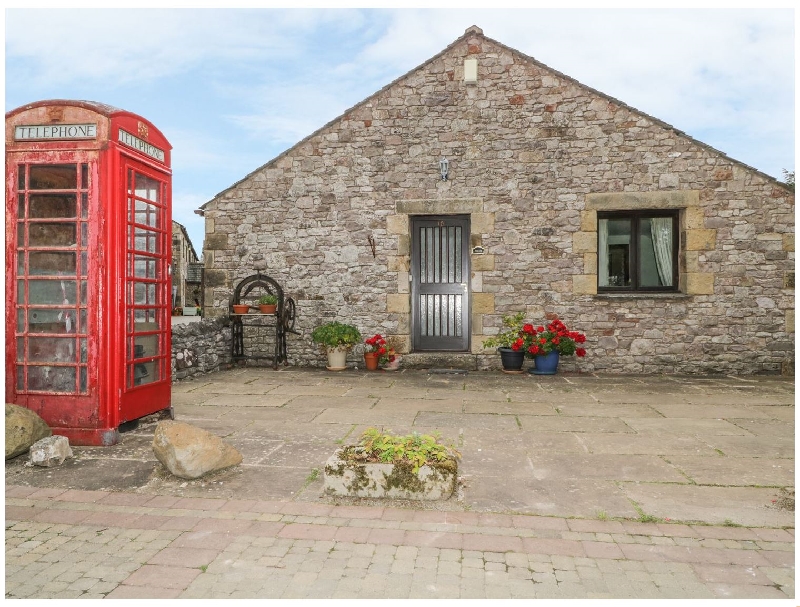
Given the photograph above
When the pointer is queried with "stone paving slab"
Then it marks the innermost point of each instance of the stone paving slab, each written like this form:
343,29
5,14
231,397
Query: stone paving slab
561,472
306,551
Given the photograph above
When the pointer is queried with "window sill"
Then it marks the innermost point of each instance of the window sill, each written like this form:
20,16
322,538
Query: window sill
643,295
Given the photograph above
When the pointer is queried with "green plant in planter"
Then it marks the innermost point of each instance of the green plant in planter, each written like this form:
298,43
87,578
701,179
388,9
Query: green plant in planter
335,334
512,336
414,449
267,300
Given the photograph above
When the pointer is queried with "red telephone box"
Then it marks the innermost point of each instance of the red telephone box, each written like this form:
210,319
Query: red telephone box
88,247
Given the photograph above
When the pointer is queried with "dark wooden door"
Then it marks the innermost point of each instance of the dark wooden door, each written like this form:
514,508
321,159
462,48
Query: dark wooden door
440,283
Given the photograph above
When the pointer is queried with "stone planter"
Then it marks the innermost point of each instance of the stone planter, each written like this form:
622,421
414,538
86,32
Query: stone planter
389,480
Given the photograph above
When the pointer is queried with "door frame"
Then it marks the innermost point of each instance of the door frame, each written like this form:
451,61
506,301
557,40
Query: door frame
464,220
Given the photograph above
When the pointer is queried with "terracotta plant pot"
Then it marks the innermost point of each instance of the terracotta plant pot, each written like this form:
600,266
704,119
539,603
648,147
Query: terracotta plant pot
240,309
268,308
371,361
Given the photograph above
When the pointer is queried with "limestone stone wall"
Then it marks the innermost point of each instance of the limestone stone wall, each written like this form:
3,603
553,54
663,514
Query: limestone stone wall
533,156
200,347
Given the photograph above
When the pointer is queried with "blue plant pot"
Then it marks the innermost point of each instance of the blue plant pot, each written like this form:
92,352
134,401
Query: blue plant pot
546,364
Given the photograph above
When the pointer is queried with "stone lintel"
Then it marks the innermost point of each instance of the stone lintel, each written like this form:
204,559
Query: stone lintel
444,206
624,201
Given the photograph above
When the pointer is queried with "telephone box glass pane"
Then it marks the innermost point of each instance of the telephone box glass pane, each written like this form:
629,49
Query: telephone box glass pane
52,292
51,264
20,349
145,320
145,267
146,240
53,177
21,264
43,320
53,206
52,235
21,206
145,373
21,177
144,294
51,379
83,388
84,176
84,206
51,349
84,350
147,188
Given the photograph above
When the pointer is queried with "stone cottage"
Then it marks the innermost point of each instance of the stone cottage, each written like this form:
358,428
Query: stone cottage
483,183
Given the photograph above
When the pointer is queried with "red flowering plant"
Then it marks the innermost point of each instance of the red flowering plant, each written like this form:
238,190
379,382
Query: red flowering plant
555,337
377,343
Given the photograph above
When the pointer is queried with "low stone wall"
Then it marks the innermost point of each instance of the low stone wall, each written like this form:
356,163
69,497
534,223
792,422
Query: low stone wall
200,347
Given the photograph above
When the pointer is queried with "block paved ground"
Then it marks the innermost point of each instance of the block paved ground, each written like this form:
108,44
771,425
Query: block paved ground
571,487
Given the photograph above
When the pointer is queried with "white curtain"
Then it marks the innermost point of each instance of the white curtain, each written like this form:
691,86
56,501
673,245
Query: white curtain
602,252
661,231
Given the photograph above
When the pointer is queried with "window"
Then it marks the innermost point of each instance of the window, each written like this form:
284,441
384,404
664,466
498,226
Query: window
637,251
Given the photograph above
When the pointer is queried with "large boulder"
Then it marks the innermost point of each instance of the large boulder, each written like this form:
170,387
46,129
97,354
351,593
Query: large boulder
23,428
190,452
50,451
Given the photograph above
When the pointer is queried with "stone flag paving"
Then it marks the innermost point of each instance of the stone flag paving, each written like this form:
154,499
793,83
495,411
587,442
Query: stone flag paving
570,487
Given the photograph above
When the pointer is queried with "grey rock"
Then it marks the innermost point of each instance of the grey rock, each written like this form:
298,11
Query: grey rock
190,452
23,428
50,451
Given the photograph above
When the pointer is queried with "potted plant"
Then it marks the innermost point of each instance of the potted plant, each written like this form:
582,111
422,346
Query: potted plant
377,352
240,308
417,466
267,304
511,343
336,339
549,344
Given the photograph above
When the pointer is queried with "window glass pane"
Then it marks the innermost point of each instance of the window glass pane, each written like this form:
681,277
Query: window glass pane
145,373
21,263
51,349
145,320
147,188
42,320
20,378
84,206
21,205
144,294
51,379
655,252
52,235
146,214
21,180
20,349
144,267
53,177
83,388
52,292
84,176
51,264
53,206
20,320
146,240
614,254
20,292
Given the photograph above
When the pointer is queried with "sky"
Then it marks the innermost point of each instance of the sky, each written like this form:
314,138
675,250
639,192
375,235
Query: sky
231,89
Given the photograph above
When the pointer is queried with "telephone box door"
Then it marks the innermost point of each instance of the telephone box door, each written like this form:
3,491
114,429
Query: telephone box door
147,328
53,248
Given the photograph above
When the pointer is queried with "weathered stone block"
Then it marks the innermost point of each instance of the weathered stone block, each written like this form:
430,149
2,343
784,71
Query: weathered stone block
788,242
23,428
216,278
216,242
701,240
397,224
584,242
482,223
482,263
590,263
589,221
398,263
700,283
399,303
584,284
483,303
694,218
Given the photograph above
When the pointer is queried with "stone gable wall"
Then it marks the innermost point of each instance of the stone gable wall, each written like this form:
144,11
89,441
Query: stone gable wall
533,156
